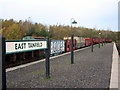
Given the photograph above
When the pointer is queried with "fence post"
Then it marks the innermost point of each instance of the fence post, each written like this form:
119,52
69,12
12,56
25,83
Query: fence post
72,49
47,62
2,64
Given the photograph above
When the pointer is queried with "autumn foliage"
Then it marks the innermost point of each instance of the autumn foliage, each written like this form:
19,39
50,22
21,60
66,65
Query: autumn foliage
16,30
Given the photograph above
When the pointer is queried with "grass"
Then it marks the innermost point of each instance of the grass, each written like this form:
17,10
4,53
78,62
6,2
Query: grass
46,79
100,45
40,71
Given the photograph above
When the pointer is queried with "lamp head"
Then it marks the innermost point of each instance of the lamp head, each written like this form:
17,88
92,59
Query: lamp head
74,22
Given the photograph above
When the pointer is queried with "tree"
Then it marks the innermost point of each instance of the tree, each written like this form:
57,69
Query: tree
13,33
31,31
25,28
17,30
42,33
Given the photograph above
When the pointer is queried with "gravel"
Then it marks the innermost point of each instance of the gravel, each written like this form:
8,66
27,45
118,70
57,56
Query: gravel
90,70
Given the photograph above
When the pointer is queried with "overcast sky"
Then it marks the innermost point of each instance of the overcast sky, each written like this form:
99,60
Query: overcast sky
99,14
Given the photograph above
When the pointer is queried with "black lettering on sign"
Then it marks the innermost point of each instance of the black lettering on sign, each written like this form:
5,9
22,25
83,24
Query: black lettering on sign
33,45
16,46
40,44
20,46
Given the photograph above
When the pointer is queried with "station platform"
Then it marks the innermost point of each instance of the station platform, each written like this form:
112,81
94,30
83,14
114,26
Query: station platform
90,70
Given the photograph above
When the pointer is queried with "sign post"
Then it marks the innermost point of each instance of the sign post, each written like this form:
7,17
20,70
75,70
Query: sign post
2,64
47,62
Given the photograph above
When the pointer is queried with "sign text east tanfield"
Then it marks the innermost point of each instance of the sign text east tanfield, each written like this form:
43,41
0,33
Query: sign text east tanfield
23,46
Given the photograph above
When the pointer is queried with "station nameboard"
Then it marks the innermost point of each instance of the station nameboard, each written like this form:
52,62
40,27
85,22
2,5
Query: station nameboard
16,46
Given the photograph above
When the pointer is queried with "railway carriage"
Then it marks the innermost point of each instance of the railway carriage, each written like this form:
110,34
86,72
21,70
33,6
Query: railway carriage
88,41
108,40
68,45
78,42
56,47
95,40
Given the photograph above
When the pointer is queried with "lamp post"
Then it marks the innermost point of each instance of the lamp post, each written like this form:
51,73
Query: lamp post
99,39
105,36
91,41
102,38
72,41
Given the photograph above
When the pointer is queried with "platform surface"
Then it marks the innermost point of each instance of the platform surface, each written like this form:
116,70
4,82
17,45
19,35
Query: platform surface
90,70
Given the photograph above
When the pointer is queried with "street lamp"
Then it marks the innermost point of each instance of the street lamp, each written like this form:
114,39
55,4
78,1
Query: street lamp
99,39
91,41
99,33
73,22
72,41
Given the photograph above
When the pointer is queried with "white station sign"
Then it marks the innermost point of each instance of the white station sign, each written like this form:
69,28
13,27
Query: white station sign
22,46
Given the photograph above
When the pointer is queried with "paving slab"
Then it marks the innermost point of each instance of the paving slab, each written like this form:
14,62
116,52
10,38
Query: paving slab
114,70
